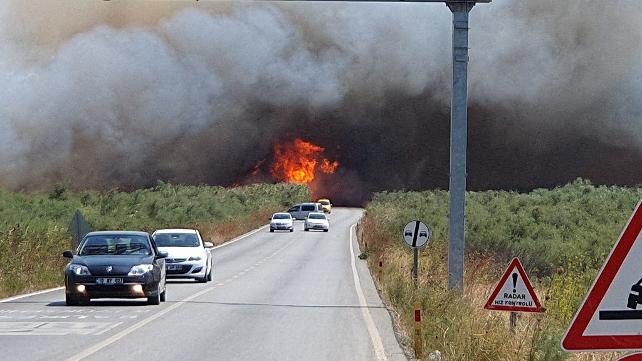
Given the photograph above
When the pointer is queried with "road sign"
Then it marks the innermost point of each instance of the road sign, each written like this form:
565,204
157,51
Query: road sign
416,234
610,318
514,292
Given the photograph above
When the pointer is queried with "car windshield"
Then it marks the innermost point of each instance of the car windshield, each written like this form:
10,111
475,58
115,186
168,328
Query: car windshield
281,216
325,203
117,244
176,240
307,207
316,216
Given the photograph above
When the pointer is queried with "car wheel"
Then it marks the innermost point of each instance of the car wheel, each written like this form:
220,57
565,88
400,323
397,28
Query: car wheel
70,300
305,229
209,275
325,230
163,295
155,300
291,229
271,230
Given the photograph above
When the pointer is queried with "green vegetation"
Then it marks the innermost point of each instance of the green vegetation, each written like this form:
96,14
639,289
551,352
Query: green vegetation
561,235
34,226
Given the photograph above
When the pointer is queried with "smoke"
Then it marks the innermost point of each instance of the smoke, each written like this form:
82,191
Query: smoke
122,94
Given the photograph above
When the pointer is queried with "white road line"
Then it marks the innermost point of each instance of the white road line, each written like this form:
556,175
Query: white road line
372,328
241,237
99,346
31,294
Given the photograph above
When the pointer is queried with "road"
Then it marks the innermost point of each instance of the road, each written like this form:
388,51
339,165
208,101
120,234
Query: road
275,296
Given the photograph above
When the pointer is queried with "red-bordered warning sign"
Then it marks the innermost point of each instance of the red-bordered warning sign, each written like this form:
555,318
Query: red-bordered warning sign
514,292
611,316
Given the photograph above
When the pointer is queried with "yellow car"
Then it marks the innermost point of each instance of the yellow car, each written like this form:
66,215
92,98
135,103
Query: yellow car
326,206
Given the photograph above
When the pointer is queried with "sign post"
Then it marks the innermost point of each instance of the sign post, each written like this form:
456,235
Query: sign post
416,234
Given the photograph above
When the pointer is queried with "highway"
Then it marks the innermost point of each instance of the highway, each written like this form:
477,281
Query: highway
275,296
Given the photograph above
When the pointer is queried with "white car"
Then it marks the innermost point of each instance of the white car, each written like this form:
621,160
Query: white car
281,221
188,256
316,220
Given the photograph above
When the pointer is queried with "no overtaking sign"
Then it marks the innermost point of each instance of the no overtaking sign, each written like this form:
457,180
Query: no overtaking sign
416,234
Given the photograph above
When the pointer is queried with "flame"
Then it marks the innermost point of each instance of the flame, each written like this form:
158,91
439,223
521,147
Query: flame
297,162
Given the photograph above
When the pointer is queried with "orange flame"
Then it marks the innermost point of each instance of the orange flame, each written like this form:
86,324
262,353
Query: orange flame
297,161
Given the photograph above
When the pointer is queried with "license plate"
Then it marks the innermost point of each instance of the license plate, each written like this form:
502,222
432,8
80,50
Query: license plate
109,281
174,267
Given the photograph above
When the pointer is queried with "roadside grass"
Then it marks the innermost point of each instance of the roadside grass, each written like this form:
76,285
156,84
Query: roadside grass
561,235
34,226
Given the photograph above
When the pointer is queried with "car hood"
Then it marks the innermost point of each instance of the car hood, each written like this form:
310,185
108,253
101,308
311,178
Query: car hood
281,221
309,220
183,252
120,265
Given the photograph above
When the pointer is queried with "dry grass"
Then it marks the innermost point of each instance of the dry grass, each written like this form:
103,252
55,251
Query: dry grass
458,325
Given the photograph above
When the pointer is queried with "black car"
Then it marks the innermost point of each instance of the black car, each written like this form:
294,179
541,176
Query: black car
115,264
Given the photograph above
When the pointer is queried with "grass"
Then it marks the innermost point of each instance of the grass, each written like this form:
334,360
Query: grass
34,226
562,236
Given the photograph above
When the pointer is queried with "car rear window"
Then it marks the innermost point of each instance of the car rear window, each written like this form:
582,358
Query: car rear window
176,240
115,245
309,207
317,216
282,216
325,203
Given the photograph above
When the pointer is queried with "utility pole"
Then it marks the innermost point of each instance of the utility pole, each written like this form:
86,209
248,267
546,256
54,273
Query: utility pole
458,143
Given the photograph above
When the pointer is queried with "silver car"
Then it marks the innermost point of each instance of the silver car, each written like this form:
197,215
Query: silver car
301,211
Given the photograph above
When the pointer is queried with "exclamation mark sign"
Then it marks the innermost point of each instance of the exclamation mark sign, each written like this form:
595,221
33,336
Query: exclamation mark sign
514,282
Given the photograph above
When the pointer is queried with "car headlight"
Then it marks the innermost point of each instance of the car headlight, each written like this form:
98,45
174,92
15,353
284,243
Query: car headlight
195,258
79,269
140,269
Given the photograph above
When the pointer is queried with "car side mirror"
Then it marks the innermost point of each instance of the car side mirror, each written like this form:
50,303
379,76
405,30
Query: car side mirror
67,254
162,254
208,244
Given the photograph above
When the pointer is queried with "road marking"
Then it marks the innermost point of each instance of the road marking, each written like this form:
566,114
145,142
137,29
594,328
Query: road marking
31,294
372,328
99,346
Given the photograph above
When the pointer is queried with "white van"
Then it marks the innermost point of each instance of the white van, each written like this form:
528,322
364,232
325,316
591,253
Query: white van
301,211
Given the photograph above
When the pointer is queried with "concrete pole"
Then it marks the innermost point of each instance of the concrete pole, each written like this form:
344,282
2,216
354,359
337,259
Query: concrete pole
458,143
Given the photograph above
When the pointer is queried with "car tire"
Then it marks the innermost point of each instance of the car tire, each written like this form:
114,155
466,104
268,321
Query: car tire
209,275
71,300
325,230
163,295
291,230
305,229
155,300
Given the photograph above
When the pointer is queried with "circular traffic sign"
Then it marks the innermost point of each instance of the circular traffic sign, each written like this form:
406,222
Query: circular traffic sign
416,234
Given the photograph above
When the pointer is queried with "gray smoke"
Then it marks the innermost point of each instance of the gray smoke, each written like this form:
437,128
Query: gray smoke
122,94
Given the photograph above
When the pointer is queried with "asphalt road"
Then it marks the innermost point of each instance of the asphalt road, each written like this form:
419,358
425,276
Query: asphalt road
275,296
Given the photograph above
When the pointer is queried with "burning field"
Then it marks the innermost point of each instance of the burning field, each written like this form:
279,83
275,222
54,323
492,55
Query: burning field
348,98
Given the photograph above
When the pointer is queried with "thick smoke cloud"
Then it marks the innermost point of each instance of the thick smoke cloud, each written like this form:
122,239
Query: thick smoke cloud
122,94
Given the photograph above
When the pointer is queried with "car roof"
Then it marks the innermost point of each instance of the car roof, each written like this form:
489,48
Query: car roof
109,233
323,199
321,213
175,230
283,213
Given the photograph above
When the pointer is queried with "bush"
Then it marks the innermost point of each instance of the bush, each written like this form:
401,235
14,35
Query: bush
34,226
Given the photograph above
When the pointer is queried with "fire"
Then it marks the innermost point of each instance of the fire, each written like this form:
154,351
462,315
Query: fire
298,162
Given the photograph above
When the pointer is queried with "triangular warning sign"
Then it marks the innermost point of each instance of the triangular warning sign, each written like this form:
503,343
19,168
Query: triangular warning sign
514,292
611,316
